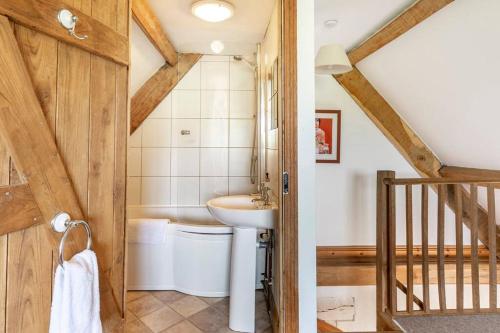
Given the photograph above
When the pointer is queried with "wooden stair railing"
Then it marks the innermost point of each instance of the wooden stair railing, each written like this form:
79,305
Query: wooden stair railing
324,327
387,226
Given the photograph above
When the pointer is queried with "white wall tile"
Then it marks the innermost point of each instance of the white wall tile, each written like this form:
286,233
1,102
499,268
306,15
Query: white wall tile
214,75
243,104
156,133
190,140
185,191
155,162
164,109
242,76
239,161
215,103
241,132
186,104
135,140
241,185
155,191
134,162
133,190
185,161
214,162
210,57
191,80
214,132
212,187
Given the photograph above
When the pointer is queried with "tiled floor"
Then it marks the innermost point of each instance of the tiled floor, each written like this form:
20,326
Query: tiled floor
174,312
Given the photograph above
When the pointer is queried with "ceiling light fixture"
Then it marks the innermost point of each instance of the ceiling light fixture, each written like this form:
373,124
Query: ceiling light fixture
212,10
217,46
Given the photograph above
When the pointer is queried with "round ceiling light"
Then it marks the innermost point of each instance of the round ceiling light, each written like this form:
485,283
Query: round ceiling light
212,10
217,46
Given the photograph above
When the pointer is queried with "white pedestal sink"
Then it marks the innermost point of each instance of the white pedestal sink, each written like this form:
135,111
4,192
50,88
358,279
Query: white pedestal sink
245,217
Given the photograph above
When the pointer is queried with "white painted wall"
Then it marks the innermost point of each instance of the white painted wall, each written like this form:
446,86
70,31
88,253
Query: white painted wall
306,169
346,192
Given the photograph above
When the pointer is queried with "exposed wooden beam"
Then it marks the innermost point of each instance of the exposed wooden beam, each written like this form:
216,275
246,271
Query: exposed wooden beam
416,13
150,95
409,145
41,15
19,209
150,25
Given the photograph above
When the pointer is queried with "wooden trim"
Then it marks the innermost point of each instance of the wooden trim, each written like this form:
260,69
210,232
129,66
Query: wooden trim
412,16
19,209
148,22
150,95
454,172
41,15
289,318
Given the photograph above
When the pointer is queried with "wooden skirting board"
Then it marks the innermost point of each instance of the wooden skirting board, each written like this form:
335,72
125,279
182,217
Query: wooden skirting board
355,266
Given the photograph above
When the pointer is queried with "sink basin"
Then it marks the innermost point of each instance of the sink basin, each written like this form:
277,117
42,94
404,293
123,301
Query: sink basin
245,216
240,211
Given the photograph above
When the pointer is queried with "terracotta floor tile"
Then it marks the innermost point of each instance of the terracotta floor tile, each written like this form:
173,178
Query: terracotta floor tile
212,300
136,326
168,296
133,295
222,306
183,327
144,305
188,306
210,320
161,319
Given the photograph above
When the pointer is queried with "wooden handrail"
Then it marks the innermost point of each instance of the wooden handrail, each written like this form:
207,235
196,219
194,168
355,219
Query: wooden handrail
415,299
442,181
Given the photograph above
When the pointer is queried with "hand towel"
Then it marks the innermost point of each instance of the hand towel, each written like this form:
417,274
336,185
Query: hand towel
147,231
75,300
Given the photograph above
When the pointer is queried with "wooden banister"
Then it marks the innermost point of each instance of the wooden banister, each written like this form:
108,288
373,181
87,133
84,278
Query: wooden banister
390,255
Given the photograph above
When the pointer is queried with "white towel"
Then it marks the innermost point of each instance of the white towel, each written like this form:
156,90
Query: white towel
147,231
75,301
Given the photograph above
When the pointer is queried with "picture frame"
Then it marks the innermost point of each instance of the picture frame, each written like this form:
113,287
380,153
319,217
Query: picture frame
328,135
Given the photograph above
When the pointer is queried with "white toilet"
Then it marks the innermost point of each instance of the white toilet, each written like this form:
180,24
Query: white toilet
165,255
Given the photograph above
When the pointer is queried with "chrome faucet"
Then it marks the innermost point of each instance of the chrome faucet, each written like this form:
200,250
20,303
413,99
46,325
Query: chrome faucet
264,195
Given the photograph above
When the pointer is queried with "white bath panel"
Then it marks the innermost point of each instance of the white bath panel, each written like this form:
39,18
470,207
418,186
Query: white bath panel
333,309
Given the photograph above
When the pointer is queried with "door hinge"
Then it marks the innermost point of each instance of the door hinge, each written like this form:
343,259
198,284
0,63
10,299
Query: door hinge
285,182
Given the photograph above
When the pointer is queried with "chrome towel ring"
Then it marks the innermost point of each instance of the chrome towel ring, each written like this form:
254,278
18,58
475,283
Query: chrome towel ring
62,222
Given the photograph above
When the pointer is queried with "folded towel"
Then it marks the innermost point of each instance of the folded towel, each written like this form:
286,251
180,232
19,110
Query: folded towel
147,231
75,301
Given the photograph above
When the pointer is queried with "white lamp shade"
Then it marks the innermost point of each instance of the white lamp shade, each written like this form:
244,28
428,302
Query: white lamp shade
332,59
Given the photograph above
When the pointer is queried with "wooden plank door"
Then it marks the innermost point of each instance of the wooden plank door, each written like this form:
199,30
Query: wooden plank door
84,99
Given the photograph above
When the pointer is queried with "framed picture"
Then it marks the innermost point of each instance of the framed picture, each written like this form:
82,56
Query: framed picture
328,136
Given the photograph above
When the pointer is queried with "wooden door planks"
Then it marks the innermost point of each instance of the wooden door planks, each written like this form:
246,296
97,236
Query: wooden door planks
40,15
19,209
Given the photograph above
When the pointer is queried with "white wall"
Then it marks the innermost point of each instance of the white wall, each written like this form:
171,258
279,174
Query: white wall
305,164
170,174
346,192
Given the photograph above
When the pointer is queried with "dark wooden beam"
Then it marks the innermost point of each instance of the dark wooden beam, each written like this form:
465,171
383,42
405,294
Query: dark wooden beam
412,16
150,95
41,15
146,19
19,209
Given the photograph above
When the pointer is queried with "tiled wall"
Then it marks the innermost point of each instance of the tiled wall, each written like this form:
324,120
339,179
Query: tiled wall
216,103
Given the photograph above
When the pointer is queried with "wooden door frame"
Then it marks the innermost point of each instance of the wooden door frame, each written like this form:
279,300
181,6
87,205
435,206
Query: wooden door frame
289,305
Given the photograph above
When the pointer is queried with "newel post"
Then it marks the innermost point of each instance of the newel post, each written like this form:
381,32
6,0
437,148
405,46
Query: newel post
384,204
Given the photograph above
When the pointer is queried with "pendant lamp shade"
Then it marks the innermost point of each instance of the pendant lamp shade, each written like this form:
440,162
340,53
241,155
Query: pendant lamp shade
332,59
